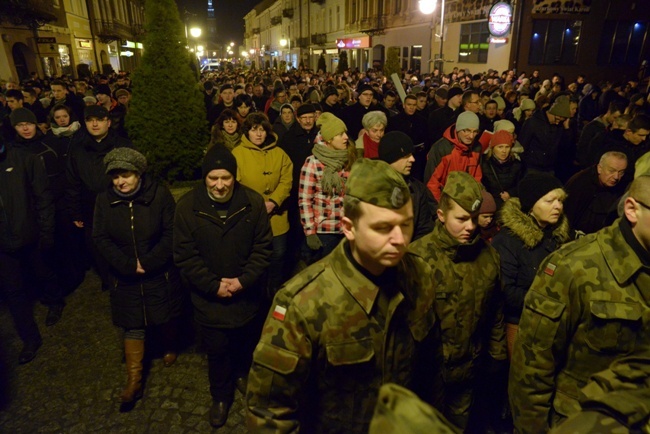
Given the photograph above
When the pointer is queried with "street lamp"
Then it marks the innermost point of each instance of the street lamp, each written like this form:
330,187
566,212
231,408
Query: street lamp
427,7
195,32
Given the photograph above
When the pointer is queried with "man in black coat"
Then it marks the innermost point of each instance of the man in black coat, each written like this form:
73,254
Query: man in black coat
353,115
441,119
222,246
26,230
594,193
298,142
414,126
86,176
396,148
61,95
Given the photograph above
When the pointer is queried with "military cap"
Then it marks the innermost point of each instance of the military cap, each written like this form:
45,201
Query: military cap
376,183
464,190
642,166
125,159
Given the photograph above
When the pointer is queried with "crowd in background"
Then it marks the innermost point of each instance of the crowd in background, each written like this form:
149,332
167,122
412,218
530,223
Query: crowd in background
554,156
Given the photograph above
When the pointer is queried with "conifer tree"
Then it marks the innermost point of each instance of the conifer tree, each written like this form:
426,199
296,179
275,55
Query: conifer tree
167,119
392,62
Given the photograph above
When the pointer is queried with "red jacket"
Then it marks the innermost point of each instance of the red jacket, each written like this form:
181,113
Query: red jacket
448,155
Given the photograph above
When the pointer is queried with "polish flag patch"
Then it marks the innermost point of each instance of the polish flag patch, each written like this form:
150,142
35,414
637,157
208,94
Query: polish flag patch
550,269
279,312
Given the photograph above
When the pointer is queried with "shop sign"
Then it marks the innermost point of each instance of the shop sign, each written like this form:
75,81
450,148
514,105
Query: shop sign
495,40
84,43
126,53
128,44
46,40
362,42
500,19
561,7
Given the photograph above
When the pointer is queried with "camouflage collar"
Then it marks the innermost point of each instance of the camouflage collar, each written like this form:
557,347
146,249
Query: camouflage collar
362,289
621,259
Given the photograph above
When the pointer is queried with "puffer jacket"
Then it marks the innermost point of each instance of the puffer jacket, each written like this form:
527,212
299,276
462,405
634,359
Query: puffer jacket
139,228
207,249
522,245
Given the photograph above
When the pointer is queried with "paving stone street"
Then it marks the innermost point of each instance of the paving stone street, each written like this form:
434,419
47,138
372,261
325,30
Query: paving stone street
73,384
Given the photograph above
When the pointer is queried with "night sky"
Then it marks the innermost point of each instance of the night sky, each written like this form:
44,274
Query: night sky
229,14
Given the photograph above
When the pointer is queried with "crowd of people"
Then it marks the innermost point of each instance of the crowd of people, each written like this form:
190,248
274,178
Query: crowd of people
481,240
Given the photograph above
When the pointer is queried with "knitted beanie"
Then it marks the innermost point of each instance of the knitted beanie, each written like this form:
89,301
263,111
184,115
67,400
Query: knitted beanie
534,186
330,126
394,146
20,115
218,157
467,120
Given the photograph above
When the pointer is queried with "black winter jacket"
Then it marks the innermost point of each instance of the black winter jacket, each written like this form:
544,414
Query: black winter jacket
522,245
540,140
424,208
85,173
26,204
51,158
140,228
499,177
207,249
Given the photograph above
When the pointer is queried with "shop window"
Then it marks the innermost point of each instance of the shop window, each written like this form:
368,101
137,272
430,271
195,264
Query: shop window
416,57
473,47
554,42
621,42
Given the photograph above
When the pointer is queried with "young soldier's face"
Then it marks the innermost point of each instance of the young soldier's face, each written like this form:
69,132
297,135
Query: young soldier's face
380,236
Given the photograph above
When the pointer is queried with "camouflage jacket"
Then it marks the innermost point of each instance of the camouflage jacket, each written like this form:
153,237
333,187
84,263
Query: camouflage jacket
332,338
469,301
616,400
586,307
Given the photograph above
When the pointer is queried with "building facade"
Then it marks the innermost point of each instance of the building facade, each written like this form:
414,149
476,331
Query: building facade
72,37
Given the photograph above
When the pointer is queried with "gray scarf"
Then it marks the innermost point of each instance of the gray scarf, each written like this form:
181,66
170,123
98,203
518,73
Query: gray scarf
334,161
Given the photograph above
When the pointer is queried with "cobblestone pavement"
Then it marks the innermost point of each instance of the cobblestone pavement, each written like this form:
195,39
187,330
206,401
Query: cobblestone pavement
73,384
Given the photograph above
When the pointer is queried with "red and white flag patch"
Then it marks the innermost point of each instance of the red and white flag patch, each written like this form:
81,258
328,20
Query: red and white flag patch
550,269
279,312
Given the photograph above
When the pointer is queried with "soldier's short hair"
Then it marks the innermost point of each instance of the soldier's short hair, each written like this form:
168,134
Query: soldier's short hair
410,96
421,94
352,208
58,83
467,96
15,94
640,189
446,202
616,106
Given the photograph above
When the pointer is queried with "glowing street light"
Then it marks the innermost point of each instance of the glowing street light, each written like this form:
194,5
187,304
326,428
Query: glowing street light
427,7
283,42
195,32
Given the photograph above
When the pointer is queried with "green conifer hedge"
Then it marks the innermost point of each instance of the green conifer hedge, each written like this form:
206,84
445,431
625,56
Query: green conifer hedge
167,120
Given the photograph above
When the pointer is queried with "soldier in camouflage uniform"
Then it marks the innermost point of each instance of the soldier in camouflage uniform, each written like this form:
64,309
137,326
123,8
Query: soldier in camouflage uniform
468,293
587,306
616,400
360,317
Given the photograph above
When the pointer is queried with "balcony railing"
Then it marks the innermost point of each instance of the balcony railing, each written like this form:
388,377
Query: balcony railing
302,42
30,13
287,13
276,20
319,38
109,31
256,31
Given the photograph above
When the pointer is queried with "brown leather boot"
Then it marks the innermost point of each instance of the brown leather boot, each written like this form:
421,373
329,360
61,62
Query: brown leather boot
134,352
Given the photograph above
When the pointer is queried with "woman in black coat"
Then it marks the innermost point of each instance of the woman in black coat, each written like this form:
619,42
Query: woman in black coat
502,171
222,245
133,230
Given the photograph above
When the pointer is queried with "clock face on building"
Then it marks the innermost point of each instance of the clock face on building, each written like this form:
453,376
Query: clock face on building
500,19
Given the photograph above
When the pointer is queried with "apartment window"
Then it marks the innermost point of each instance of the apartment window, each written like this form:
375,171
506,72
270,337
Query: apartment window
621,42
473,47
554,42
398,7
416,57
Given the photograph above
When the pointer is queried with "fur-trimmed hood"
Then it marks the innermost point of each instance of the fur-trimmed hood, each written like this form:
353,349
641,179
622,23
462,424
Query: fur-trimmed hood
524,226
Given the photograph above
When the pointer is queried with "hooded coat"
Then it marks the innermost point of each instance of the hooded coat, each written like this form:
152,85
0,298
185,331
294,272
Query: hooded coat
522,245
